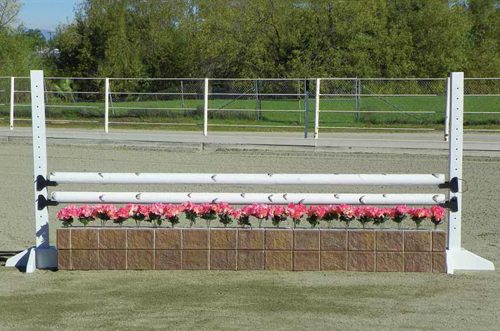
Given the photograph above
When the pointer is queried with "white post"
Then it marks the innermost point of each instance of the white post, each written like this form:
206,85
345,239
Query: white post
12,101
205,109
458,258
106,105
447,111
316,108
455,158
43,255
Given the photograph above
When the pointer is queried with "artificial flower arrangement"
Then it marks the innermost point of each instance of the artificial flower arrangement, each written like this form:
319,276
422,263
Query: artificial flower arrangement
157,213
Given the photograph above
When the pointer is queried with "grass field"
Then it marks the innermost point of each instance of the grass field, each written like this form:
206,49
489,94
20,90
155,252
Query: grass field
367,112
214,300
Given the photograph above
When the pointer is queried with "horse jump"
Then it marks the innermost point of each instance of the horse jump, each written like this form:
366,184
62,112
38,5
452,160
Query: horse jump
42,255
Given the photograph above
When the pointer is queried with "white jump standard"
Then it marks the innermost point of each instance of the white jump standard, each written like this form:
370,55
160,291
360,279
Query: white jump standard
44,256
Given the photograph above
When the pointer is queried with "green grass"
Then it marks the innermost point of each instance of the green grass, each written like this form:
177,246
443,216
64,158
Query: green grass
426,112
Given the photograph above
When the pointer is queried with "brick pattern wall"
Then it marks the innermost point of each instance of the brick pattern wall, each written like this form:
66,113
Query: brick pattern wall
251,249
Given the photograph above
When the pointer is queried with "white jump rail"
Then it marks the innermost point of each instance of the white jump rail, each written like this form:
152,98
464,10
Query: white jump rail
245,179
248,198
45,256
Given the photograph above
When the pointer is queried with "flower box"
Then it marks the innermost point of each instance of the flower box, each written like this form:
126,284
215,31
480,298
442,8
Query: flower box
127,248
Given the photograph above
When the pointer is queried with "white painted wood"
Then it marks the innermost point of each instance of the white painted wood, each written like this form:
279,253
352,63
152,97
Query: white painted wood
457,257
316,108
39,154
248,198
106,105
244,179
12,101
205,109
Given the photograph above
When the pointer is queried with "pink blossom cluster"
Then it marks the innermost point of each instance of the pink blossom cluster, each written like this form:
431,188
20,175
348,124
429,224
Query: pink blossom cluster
158,212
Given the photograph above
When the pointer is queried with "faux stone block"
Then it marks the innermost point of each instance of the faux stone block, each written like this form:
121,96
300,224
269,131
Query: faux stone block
390,261
418,241
438,241
195,260
250,260
333,240
361,261
334,260
439,262
168,260
418,262
84,239
306,260
306,240
361,240
112,239
84,259
389,241
223,259
223,238
251,239
279,239
140,238
112,259
63,238
195,238
63,259
140,259
168,239
279,260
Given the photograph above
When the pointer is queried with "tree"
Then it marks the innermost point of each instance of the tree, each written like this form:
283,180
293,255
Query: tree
9,9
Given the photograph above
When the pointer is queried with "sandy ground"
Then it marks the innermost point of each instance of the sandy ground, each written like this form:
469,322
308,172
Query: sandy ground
246,300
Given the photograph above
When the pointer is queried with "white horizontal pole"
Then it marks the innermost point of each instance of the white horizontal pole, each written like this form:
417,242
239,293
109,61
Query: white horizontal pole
248,198
272,179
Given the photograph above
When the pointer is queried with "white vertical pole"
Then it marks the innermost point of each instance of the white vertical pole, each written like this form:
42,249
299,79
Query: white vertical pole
316,108
205,109
447,111
39,155
106,105
455,157
12,101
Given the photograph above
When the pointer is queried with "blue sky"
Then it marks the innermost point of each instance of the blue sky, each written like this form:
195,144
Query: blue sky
46,14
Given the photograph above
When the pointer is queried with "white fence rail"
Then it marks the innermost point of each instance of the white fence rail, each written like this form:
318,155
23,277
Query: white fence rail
320,104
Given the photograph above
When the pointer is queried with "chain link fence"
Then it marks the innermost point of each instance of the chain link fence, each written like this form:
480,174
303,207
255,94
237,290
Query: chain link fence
145,101
4,98
255,104
382,102
261,103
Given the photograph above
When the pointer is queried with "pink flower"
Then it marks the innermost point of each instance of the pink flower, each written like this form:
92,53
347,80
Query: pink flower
296,211
85,211
67,213
156,209
170,210
401,210
259,211
346,211
316,211
437,213
223,208
104,212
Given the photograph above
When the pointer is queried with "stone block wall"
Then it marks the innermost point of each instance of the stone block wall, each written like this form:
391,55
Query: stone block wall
251,249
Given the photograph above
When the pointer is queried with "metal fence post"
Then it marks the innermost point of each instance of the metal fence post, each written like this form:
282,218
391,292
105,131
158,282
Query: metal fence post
447,111
205,109
316,108
106,105
12,101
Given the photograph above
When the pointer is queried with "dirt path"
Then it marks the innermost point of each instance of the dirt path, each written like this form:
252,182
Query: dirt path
242,300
